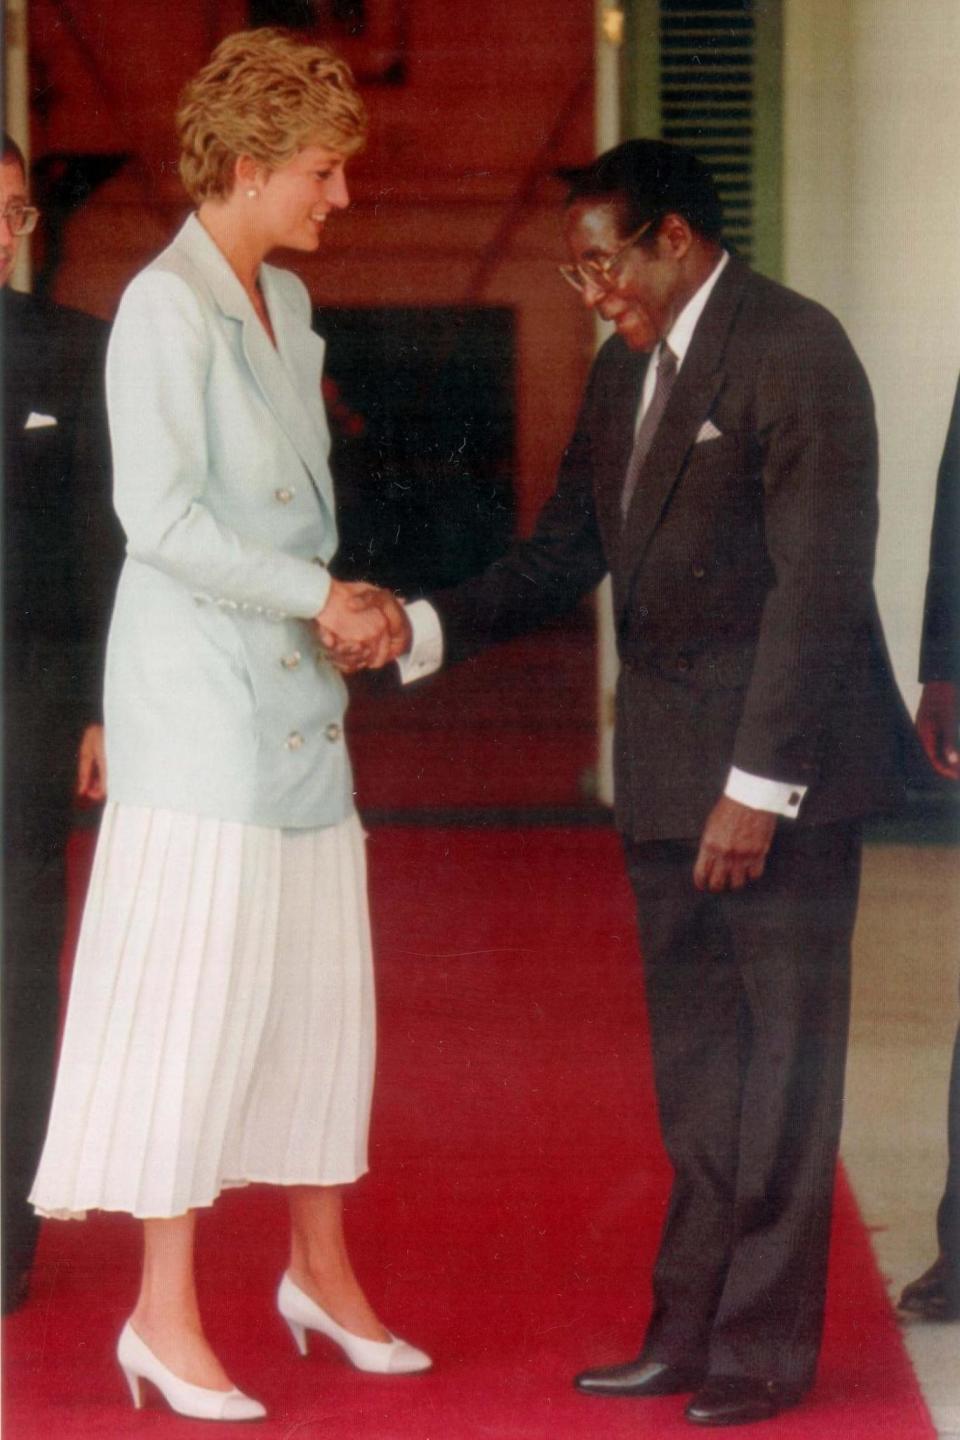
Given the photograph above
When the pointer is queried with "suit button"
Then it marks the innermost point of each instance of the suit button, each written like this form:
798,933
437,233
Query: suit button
291,661
698,572
294,740
683,663
284,495
333,731
642,612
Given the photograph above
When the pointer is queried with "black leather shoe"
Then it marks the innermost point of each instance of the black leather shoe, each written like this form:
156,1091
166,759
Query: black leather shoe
639,1377
738,1399
935,1295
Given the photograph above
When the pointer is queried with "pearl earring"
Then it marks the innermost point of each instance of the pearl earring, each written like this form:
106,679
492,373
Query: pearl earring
251,193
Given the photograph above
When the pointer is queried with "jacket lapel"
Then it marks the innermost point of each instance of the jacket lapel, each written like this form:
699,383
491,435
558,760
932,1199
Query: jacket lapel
285,376
296,370
689,405
615,427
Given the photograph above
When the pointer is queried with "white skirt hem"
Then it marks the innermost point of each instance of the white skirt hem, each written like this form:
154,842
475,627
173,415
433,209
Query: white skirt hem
221,1017
82,1212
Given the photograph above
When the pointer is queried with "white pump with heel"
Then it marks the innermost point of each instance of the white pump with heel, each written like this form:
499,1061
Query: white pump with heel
138,1363
382,1357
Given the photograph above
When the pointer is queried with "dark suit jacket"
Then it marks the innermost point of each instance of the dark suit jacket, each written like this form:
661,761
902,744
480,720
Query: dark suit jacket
61,541
746,621
940,649
59,565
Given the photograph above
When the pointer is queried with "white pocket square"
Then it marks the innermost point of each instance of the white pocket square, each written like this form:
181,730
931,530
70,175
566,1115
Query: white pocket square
39,422
708,431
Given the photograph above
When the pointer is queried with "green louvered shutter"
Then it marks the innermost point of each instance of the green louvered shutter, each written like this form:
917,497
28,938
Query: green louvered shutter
706,74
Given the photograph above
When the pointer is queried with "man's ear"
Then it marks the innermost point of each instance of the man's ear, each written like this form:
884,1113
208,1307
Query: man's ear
675,234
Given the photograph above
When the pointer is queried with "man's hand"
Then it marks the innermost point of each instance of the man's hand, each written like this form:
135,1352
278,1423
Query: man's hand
370,598
733,847
92,765
401,634
362,627
937,727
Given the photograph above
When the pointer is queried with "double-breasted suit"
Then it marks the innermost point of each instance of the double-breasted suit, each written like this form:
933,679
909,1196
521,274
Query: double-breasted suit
748,637
223,489
746,622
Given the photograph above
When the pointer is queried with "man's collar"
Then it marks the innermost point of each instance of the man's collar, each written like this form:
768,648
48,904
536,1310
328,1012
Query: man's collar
681,331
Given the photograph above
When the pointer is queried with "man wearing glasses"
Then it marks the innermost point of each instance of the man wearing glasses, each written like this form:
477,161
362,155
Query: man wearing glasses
723,471
59,548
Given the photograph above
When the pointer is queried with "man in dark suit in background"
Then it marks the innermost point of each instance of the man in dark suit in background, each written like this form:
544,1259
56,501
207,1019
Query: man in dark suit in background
723,470
60,548
936,1294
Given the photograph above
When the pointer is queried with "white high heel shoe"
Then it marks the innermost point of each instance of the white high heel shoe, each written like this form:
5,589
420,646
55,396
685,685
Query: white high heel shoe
138,1362
382,1357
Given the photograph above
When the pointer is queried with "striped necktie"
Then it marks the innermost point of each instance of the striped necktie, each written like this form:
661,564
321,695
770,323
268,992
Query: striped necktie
666,375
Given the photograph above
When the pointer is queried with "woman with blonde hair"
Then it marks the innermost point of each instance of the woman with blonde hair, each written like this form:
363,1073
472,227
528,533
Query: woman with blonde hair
220,1029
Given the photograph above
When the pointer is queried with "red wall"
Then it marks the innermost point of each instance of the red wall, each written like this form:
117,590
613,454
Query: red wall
453,198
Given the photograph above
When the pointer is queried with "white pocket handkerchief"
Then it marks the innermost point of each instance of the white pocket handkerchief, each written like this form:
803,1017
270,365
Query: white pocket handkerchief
39,422
708,431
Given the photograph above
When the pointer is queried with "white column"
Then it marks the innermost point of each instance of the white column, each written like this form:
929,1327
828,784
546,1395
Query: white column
872,228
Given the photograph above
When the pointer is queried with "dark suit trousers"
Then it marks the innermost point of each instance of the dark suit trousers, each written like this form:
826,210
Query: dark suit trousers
948,1215
39,755
748,997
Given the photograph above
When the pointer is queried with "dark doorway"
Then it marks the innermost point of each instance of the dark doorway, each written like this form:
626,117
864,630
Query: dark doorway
421,404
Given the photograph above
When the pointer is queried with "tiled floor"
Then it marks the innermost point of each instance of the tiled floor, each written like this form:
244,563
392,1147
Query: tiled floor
905,1007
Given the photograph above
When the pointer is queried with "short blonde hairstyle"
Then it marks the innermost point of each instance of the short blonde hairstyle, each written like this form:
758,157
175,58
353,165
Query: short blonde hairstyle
265,94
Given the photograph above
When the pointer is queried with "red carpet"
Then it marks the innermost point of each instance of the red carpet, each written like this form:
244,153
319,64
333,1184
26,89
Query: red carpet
512,1211
514,728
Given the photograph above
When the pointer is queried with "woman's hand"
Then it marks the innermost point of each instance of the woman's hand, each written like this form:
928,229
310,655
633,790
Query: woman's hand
363,597
361,626
92,765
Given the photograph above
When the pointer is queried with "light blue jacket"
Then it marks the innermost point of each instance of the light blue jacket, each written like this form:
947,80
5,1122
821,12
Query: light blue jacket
218,701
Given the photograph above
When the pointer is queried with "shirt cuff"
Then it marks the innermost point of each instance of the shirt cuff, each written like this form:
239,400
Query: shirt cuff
760,794
426,645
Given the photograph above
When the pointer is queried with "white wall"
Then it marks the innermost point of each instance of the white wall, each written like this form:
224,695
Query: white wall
872,228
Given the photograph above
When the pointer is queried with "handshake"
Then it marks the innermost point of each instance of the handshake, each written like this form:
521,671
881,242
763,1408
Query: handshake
362,627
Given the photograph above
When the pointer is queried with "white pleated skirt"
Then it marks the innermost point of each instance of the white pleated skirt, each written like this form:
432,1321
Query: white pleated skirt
221,1024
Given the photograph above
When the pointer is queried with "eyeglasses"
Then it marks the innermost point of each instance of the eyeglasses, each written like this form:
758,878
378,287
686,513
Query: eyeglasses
21,219
600,273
